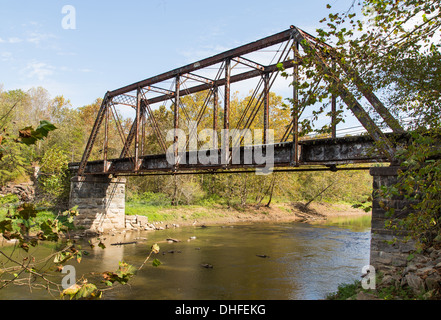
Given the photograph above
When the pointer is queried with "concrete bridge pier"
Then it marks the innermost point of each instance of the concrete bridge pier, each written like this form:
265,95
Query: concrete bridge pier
100,201
389,247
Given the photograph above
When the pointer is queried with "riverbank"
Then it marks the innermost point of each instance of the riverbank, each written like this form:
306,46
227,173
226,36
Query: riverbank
217,214
149,218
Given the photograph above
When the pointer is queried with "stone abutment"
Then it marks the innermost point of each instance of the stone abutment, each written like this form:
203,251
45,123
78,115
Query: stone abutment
100,201
389,247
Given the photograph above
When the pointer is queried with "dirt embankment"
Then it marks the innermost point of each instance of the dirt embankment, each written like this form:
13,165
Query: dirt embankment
280,212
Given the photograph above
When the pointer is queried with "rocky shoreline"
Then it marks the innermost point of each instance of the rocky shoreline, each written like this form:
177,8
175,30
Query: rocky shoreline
418,278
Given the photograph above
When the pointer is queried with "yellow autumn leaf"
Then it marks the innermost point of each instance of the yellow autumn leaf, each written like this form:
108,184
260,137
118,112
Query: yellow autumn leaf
155,248
71,291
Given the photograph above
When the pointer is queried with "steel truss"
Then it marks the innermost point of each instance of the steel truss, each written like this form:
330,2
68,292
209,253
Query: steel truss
140,96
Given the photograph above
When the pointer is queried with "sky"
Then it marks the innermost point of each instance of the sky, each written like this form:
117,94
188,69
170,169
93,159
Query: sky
92,47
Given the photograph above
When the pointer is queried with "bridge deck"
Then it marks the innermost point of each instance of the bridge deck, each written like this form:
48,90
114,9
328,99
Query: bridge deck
324,152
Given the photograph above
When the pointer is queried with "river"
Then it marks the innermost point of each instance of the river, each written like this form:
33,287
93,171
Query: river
277,261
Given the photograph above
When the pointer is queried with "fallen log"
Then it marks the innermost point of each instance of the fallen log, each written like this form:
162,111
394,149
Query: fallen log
122,243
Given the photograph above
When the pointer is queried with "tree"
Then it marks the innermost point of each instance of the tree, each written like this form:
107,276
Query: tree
53,181
69,136
394,47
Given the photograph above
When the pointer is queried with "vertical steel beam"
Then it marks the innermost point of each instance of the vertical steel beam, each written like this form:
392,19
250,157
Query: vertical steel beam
295,114
226,142
227,94
265,107
143,121
138,120
176,118
106,136
154,124
215,114
333,112
334,116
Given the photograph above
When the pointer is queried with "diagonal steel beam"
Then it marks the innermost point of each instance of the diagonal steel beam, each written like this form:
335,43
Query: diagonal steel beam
372,98
198,78
352,103
249,63
159,90
130,137
360,84
93,135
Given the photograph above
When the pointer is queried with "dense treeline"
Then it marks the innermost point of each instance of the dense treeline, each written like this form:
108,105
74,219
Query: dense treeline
48,158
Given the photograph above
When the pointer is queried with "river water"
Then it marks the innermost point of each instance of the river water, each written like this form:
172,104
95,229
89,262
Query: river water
262,261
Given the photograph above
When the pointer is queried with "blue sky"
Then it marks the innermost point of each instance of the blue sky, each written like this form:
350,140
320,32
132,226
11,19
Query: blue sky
116,43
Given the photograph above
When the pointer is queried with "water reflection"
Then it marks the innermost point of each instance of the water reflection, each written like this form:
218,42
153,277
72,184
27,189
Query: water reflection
302,262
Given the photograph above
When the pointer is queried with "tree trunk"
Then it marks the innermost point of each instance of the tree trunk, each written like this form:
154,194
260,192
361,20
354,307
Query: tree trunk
315,197
273,182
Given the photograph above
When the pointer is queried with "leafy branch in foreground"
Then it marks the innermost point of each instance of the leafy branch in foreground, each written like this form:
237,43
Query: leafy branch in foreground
122,275
26,229
23,227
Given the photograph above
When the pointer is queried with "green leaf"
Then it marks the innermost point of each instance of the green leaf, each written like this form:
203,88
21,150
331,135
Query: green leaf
62,257
122,275
29,136
48,231
108,283
26,211
88,291
44,128
156,263
5,225
79,256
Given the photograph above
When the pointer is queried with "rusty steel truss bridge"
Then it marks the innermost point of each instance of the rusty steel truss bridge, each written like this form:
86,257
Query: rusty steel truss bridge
213,77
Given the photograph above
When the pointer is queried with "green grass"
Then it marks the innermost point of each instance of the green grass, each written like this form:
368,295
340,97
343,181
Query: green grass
345,291
153,212
156,213
392,292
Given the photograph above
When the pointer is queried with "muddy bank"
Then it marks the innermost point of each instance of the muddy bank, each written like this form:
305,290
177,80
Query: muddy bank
281,212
